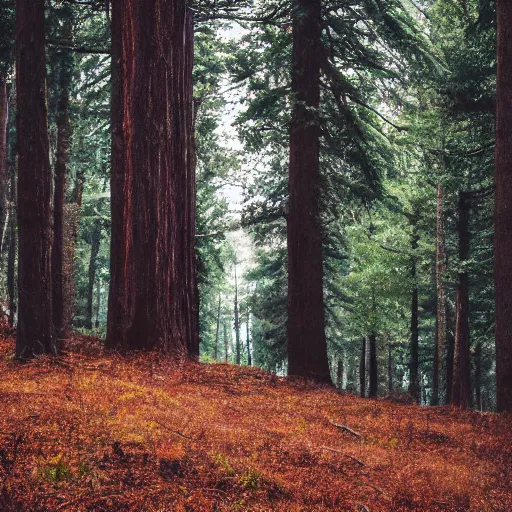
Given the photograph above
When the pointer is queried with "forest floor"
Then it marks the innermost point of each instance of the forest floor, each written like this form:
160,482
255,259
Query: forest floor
96,431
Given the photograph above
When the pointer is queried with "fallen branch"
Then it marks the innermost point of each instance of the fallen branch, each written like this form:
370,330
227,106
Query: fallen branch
177,432
348,430
357,461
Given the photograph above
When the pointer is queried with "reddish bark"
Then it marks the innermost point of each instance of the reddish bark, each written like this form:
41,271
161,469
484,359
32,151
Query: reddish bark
35,333
503,208
461,383
307,347
153,290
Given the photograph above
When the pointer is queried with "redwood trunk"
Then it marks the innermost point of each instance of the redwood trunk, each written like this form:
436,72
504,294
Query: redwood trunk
61,320
461,384
307,347
4,175
35,333
503,209
439,370
153,290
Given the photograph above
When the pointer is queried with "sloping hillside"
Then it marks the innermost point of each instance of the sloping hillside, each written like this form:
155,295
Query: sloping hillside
95,431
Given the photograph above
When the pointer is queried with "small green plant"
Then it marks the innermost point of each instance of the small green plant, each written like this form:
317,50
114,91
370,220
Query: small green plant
223,462
251,479
84,470
57,470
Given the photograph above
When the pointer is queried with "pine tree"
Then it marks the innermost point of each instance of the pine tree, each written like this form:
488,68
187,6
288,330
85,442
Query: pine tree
307,346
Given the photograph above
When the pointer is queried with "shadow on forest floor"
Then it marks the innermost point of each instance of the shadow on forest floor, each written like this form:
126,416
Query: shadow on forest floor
96,431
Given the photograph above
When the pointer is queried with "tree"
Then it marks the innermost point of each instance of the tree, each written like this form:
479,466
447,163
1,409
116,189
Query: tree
307,345
61,271
35,334
461,384
4,177
153,291
503,209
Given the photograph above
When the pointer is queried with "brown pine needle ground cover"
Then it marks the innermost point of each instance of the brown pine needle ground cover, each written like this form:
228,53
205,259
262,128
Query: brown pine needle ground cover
95,431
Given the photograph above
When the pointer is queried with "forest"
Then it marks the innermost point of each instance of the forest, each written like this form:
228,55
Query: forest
241,240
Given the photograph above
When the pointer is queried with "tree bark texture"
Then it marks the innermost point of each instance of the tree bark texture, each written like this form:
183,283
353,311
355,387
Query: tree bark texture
439,367
307,347
61,274
461,384
4,175
153,291
35,333
503,209
11,254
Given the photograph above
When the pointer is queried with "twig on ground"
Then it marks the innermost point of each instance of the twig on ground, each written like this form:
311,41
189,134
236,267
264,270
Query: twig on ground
177,432
348,430
327,448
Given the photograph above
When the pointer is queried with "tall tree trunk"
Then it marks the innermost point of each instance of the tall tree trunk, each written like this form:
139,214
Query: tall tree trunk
478,376
237,321
307,346
4,175
439,367
216,348
450,352
248,338
11,255
72,215
153,292
461,384
93,266
35,333
60,279
503,209
362,369
414,385
373,366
